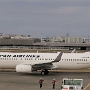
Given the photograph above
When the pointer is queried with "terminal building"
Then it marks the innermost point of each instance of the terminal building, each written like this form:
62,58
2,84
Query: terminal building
66,39
56,42
10,36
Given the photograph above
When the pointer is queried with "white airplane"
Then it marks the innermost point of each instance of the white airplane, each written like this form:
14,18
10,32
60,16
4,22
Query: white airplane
29,62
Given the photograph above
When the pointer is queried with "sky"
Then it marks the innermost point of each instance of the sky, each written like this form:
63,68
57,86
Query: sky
45,17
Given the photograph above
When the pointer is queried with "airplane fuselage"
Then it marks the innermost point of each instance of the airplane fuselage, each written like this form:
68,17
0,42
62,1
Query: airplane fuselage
68,60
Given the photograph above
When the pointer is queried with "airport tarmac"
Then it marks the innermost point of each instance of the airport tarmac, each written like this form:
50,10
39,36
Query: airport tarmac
18,81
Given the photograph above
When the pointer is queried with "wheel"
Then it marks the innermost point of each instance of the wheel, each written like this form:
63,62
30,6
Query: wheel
44,72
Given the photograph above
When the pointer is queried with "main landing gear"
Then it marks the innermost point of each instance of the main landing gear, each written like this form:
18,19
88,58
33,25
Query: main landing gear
44,72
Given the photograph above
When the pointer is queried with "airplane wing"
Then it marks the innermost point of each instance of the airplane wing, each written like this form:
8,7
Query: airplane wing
45,65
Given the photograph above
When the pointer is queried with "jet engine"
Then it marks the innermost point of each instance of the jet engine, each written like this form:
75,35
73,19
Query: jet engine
24,68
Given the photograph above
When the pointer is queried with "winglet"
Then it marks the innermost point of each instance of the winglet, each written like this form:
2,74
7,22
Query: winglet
73,51
58,58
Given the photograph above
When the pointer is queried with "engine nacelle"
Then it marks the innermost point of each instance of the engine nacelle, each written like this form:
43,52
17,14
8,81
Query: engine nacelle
24,68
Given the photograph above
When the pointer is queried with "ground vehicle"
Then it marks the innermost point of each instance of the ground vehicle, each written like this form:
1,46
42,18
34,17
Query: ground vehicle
72,84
